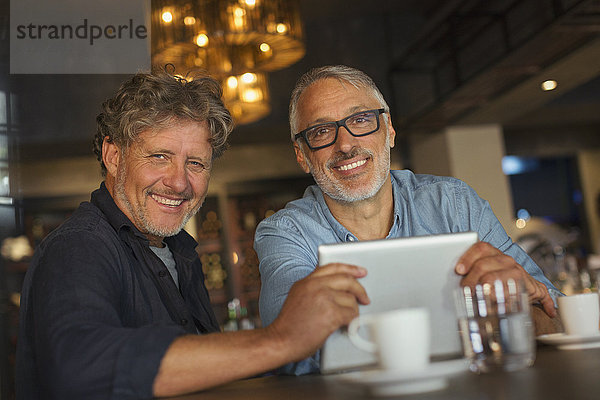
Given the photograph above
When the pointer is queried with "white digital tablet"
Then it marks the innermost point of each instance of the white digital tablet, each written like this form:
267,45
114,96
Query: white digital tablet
405,272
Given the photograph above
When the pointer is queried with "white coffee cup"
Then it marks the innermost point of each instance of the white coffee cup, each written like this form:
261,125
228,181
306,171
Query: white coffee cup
400,338
580,313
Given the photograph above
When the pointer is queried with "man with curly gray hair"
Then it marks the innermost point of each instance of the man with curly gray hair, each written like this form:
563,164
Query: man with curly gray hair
114,303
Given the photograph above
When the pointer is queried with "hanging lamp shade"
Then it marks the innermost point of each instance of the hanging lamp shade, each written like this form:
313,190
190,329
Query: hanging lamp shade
227,36
236,41
246,96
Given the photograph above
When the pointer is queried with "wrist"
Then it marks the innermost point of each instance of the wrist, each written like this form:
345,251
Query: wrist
279,340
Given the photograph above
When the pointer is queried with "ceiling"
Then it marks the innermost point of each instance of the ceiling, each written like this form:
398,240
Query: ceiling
437,62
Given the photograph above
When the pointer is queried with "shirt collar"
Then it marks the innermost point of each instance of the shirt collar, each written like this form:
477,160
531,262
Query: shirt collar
340,230
101,198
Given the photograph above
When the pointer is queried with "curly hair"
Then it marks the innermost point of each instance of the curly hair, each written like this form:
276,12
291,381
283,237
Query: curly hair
157,100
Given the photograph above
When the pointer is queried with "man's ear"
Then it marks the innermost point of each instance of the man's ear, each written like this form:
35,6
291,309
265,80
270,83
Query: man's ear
300,158
391,132
111,156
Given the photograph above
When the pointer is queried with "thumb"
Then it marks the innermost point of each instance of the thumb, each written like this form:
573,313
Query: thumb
548,306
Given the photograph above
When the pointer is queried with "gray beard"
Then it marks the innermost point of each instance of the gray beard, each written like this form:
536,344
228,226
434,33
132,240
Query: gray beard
337,191
147,226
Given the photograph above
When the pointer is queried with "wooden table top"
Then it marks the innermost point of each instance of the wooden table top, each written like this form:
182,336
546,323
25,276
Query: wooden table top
555,375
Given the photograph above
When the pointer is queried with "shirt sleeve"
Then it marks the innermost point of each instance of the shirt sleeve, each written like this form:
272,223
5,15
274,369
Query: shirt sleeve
284,259
80,342
483,220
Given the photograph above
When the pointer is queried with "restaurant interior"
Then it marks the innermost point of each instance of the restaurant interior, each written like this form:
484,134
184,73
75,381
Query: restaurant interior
504,94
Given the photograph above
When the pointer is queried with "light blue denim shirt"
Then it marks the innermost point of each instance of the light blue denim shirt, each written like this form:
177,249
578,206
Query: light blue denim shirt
287,242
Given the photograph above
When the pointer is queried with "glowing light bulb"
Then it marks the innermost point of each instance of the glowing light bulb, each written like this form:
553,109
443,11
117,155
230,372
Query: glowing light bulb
189,20
239,12
549,85
232,82
202,40
248,77
264,47
239,19
251,95
167,16
281,28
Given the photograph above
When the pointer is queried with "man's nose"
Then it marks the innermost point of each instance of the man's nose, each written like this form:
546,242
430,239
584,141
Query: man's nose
345,141
176,178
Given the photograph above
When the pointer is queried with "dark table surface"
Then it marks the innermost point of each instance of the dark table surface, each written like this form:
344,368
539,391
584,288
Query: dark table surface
556,374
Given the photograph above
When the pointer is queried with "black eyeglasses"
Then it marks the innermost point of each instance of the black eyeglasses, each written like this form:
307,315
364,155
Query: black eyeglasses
362,123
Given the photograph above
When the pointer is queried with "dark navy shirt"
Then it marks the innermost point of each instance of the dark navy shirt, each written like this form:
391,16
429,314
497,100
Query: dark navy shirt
99,309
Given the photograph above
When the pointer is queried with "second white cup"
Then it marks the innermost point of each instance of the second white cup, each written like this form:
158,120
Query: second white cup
580,313
400,338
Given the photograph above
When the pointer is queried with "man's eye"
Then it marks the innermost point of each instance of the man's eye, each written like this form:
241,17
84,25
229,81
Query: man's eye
361,119
158,156
196,165
320,131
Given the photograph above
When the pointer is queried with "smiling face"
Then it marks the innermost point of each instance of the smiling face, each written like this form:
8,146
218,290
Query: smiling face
161,180
353,168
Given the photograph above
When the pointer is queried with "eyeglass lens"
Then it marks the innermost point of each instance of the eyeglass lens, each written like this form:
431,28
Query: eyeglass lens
358,124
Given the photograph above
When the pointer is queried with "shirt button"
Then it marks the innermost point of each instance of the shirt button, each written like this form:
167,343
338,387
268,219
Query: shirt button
350,238
162,273
183,321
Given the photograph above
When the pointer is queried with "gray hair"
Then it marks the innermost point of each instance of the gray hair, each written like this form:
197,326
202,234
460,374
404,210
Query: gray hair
352,76
157,100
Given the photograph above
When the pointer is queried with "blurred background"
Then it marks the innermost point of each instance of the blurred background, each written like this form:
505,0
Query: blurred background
503,94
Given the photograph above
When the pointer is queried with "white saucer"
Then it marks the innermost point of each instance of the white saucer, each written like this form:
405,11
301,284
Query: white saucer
571,342
392,383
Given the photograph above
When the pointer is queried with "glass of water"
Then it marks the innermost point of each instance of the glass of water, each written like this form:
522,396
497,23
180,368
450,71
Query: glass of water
495,325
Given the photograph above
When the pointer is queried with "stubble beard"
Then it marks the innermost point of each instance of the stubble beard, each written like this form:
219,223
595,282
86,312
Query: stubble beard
146,225
339,190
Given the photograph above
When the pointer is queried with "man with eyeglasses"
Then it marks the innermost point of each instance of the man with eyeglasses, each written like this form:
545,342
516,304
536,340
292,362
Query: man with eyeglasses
114,304
342,135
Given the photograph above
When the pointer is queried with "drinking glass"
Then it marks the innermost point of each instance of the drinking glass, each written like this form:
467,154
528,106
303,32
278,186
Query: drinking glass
495,325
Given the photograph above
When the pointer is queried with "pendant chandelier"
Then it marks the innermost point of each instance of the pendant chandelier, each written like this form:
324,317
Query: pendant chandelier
236,41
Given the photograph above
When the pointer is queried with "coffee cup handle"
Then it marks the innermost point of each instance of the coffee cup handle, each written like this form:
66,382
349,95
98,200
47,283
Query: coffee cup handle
356,339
